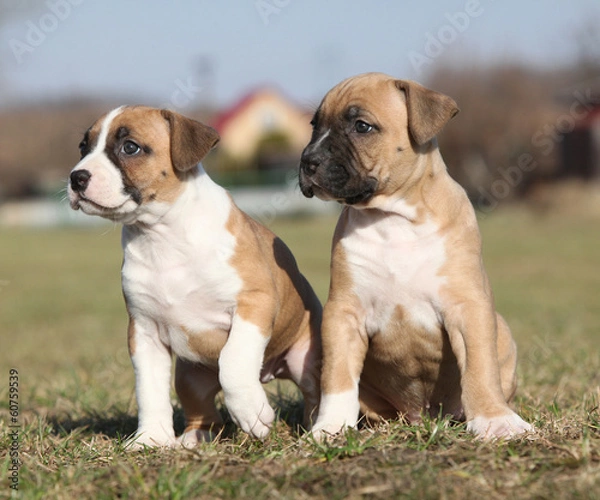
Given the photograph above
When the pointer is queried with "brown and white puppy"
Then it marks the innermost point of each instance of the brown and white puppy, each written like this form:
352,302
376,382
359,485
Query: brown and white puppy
201,279
410,324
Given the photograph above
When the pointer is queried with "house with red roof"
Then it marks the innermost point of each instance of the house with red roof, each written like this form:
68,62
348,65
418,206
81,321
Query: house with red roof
263,129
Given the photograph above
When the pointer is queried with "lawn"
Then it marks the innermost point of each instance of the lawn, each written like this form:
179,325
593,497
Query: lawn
63,328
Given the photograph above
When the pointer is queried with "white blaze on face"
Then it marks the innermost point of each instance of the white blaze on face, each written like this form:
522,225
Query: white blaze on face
105,189
322,138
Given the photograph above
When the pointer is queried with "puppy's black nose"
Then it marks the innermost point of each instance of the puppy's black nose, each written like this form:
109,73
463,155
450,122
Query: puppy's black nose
80,180
308,168
309,162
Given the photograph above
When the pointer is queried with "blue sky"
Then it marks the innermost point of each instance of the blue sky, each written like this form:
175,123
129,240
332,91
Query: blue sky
143,51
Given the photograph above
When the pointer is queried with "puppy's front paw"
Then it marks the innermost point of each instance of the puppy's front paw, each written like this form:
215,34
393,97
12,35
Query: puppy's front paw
501,427
337,412
251,411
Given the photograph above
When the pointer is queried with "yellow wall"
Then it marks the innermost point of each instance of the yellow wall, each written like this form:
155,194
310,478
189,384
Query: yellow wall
267,112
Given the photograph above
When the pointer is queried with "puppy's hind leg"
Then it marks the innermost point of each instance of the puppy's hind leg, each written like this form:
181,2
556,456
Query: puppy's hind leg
507,358
197,386
304,365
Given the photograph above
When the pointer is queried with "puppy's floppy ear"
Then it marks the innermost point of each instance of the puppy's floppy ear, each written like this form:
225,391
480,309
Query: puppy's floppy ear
428,111
190,140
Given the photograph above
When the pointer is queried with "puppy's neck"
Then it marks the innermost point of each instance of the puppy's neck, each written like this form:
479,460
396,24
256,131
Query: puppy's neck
199,200
418,196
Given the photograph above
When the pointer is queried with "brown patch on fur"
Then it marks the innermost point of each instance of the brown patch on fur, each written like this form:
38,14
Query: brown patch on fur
190,140
278,299
131,336
428,111
275,296
170,145
207,345
147,128
408,370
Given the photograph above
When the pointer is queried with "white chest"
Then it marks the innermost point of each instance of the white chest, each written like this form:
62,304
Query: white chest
394,262
179,278
192,290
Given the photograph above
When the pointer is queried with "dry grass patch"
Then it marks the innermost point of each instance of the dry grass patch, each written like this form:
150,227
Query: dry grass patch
64,330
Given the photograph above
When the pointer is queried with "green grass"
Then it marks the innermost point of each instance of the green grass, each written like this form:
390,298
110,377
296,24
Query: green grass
62,326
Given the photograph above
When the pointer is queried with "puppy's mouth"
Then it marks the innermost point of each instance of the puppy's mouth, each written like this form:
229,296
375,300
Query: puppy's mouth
352,198
80,201
306,186
91,207
310,187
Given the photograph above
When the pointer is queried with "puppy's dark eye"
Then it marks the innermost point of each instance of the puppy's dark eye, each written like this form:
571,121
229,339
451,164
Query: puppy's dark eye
362,127
83,146
130,148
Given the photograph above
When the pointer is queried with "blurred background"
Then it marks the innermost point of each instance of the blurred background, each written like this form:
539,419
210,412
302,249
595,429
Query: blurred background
526,76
